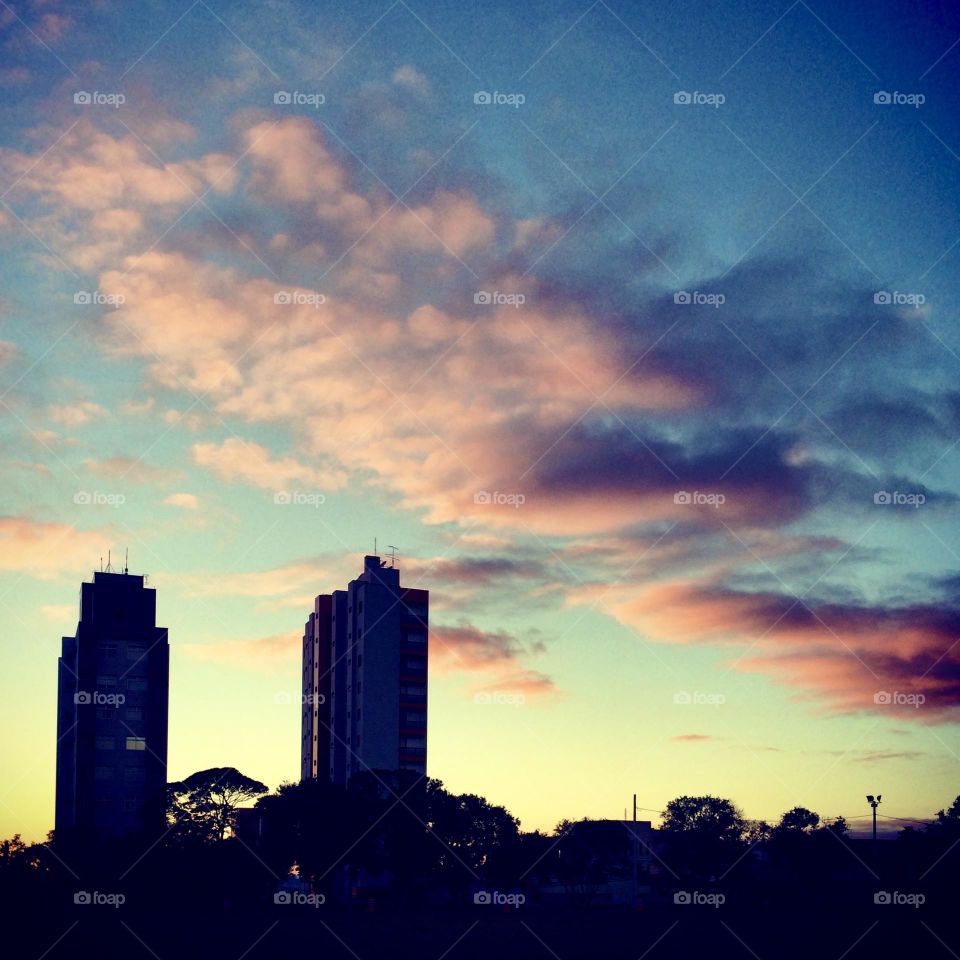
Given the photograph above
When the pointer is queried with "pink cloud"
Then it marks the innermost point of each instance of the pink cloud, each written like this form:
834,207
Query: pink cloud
492,658
898,661
243,460
47,550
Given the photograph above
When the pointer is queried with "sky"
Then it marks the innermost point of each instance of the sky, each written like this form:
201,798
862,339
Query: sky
633,328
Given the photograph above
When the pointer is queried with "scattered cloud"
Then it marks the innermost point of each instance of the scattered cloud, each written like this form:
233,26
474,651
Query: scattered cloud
75,414
46,550
132,469
185,501
248,462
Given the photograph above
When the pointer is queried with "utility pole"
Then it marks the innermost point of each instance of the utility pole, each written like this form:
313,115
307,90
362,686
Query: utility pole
874,803
633,854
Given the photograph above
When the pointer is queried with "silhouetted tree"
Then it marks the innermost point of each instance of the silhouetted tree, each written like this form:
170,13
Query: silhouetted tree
202,807
312,825
758,832
798,820
707,818
704,835
838,826
472,829
949,819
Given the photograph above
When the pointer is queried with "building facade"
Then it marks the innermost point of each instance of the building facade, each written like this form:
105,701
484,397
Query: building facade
112,704
365,678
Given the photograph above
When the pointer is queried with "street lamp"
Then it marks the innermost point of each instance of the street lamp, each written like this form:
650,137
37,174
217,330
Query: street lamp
874,803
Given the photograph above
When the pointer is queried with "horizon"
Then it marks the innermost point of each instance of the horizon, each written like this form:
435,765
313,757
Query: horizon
886,830
633,338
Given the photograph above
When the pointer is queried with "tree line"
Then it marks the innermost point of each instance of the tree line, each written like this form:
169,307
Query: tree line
232,844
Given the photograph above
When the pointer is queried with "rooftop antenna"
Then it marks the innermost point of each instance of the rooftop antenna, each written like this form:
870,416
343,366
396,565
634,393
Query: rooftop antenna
375,547
392,554
126,557
101,563
109,565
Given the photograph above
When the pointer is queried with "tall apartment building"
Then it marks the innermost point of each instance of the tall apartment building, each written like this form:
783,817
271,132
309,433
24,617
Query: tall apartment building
365,678
112,697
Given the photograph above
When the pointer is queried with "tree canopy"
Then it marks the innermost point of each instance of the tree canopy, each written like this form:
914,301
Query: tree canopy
203,806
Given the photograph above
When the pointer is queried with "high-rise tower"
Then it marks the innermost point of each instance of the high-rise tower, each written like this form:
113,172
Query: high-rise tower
112,697
365,678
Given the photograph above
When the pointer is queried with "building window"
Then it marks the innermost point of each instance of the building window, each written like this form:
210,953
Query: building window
106,680
414,665
130,804
105,743
414,718
413,743
136,683
134,773
108,649
135,652
134,713
413,691
416,639
103,773
136,743
106,713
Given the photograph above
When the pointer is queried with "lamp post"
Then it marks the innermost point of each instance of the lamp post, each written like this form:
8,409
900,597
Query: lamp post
874,803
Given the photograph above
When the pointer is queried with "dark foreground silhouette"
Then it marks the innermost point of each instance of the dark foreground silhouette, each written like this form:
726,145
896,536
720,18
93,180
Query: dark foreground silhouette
393,868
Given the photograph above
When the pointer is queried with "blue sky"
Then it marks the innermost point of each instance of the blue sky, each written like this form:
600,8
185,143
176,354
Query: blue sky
721,265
